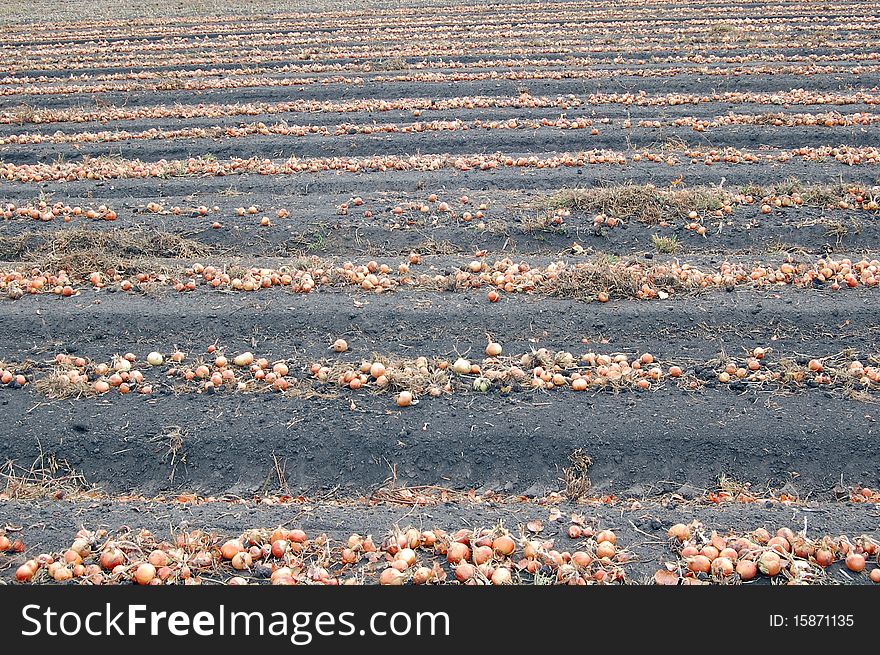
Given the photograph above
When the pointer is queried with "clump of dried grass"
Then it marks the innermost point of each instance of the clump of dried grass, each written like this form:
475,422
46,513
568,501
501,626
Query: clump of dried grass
81,251
47,477
544,221
587,279
650,204
390,64
401,373
23,113
734,488
645,203
56,385
171,441
434,247
576,477
813,195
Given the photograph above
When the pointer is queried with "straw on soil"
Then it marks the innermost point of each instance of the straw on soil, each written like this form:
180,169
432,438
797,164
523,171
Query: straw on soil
81,251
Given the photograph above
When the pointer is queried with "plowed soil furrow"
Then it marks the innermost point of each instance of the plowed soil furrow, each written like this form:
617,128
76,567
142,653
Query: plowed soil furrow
348,269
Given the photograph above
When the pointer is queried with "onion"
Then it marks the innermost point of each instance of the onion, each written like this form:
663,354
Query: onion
700,564
803,548
581,559
502,576
155,359
493,349
666,578
689,551
111,558
729,553
81,547
770,563
680,531
855,562
531,549
824,557
464,572
404,399
457,552
281,572
579,384
422,575
482,554
606,549
407,555
746,569
722,567
145,573
339,346
391,577
279,547
26,571
874,575
62,574
231,548
504,545
709,551
242,561
719,543
158,558
244,359
462,366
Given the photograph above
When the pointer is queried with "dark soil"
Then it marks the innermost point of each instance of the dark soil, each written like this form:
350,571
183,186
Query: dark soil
812,444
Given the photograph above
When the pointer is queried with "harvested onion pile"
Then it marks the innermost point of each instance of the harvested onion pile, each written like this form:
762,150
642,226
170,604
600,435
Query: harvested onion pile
290,556
582,280
785,556
539,370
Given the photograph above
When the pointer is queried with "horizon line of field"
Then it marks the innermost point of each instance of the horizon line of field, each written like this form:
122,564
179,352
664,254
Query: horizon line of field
708,12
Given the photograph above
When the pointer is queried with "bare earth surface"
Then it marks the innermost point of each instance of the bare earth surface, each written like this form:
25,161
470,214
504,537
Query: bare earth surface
666,215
